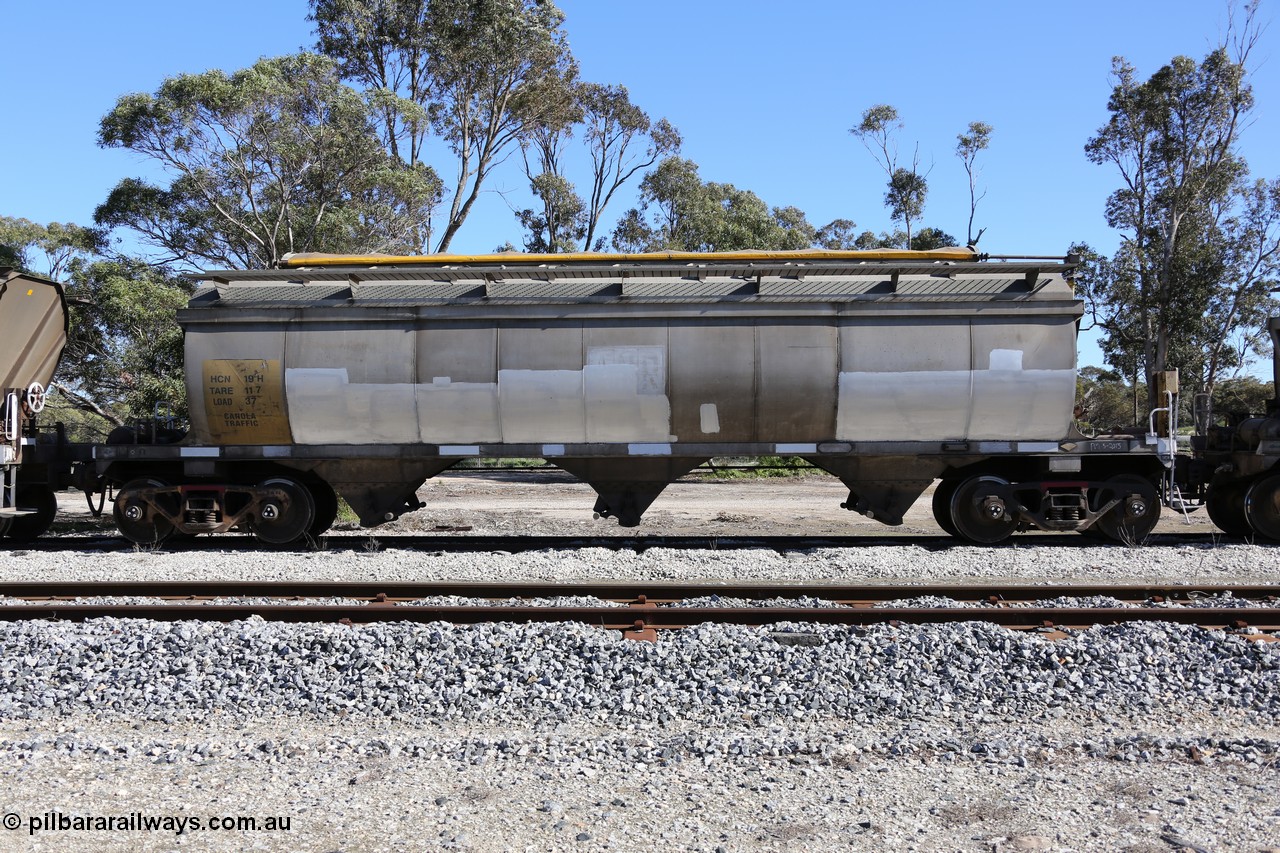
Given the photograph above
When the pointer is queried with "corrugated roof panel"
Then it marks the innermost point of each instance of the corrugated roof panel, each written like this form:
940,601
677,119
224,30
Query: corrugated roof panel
283,292
645,287
581,289
418,291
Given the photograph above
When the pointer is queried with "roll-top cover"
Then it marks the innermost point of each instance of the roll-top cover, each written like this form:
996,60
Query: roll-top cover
856,280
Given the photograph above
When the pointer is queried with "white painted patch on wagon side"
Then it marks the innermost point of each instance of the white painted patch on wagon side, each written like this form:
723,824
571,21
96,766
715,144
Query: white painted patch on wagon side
920,405
1006,359
709,418
1037,447
449,411
618,397
537,405
650,363
199,452
459,450
1023,405
331,410
955,405
553,450
617,411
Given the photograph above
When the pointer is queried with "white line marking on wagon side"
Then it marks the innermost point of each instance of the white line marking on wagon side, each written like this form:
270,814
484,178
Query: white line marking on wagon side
1037,447
795,448
649,449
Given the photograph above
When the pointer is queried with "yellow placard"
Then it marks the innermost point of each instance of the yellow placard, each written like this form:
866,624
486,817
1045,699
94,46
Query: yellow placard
244,401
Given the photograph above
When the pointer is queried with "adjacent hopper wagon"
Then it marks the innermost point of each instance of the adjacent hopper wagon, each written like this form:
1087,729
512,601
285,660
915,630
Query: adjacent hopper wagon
33,333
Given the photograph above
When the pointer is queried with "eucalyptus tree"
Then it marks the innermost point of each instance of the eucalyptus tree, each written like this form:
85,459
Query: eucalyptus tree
678,211
478,75
837,234
124,351
622,141
276,158
974,140
559,222
47,250
907,188
1199,238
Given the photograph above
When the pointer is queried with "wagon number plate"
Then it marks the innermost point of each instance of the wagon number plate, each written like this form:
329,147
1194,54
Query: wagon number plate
1108,446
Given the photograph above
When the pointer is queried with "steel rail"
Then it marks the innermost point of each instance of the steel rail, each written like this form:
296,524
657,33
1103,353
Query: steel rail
626,591
667,618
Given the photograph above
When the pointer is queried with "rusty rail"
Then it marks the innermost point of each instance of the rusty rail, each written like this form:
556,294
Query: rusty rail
59,601
666,618
625,591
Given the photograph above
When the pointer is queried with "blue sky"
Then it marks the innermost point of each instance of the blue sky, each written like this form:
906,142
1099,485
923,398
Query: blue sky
764,94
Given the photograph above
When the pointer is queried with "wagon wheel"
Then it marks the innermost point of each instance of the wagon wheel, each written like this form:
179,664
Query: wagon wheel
1132,520
24,528
942,506
1262,506
979,510
284,519
1226,508
326,503
138,521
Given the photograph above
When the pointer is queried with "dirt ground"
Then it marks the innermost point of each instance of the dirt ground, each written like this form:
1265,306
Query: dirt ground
494,503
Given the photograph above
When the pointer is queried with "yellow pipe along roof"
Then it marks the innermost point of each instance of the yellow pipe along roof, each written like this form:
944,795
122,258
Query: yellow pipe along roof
321,259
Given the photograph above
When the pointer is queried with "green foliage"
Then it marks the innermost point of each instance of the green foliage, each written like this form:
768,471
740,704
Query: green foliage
276,158
922,241
47,250
382,44
968,145
1189,287
1243,394
905,196
124,353
621,141
837,234
80,424
559,225
679,212
907,189
932,238
480,74
615,128
1104,401
124,348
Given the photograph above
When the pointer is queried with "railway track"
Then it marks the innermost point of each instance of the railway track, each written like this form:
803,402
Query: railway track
463,542
640,609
